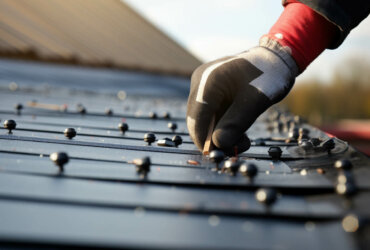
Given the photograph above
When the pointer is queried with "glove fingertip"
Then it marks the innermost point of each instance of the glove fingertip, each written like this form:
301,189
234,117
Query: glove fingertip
244,144
227,144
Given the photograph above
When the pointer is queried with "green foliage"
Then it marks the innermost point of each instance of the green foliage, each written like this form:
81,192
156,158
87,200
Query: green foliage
345,96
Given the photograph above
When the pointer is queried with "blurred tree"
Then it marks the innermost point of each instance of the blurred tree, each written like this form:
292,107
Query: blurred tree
345,96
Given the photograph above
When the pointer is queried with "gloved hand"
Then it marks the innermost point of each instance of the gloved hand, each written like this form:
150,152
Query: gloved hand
236,90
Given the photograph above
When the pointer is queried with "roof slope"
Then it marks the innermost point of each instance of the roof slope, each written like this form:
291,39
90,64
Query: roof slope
97,32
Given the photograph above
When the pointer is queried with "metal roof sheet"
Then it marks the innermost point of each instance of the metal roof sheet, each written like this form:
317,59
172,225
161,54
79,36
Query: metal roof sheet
100,199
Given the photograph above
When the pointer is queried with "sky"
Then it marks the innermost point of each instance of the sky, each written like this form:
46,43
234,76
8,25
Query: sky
210,29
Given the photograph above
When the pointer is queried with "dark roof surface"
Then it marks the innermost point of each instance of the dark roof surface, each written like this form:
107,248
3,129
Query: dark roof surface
96,32
101,200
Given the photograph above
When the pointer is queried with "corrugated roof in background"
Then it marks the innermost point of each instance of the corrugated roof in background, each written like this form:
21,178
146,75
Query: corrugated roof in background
95,32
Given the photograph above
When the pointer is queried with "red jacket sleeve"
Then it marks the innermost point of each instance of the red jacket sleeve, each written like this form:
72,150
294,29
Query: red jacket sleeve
303,32
345,14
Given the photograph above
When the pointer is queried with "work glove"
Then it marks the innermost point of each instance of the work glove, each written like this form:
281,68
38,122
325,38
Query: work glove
235,90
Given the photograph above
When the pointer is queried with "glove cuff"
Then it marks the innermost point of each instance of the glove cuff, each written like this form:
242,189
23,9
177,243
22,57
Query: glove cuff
283,52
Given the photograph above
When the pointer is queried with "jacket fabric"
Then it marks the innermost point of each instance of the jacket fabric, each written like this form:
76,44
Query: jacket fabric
345,14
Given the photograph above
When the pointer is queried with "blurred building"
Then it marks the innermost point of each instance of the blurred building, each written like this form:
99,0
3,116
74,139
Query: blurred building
97,33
